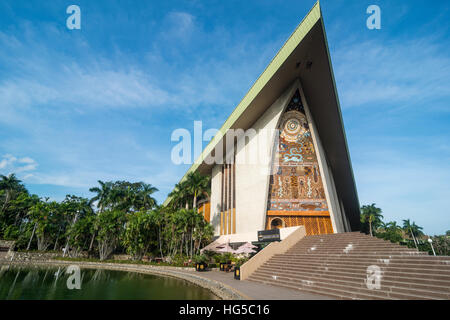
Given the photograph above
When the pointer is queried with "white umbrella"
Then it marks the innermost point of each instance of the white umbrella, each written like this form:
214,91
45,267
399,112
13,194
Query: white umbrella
225,248
248,245
213,246
246,248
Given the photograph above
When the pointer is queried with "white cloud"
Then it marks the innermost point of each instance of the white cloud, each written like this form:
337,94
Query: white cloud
11,164
27,160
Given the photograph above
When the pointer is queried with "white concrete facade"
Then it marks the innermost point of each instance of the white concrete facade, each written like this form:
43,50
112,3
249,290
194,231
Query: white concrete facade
216,185
252,180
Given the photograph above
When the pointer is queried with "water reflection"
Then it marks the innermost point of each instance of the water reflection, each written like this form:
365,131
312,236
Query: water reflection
51,283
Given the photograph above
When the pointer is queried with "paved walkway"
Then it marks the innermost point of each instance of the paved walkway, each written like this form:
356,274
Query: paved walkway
259,291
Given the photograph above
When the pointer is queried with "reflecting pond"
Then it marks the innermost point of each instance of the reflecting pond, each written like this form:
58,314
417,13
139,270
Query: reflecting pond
31,283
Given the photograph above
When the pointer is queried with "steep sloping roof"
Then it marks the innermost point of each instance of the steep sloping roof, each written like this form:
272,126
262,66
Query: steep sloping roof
304,55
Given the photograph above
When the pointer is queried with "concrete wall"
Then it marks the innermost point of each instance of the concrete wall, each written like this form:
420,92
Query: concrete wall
216,185
31,256
252,179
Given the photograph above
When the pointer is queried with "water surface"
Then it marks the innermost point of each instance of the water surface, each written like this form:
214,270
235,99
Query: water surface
31,283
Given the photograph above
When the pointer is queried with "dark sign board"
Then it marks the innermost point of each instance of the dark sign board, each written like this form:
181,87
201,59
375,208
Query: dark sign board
269,235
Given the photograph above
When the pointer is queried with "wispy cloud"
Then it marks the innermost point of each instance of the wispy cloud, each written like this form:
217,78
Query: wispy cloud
11,164
51,78
392,72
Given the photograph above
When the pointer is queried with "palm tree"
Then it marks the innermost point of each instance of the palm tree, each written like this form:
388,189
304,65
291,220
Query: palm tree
179,195
197,184
412,229
372,215
10,184
148,202
417,229
103,195
391,225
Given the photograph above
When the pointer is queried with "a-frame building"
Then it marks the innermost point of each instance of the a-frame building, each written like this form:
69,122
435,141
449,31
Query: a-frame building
281,158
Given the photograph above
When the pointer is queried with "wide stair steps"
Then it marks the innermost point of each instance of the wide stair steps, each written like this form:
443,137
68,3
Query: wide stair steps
337,265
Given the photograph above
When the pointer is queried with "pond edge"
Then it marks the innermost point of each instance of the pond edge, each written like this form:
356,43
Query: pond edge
219,289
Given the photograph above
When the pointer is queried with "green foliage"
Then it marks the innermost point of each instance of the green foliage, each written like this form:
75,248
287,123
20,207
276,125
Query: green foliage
241,261
390,235
200,258
217,258
189,191
140,233
412,229
226,257
47,218
370,218
441,244
124,196
389,231
121,216
409,234
109,224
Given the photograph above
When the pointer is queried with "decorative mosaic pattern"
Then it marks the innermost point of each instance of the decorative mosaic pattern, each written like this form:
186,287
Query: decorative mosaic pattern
296,182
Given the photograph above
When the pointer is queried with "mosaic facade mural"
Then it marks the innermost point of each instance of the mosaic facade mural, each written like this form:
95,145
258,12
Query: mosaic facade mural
296,186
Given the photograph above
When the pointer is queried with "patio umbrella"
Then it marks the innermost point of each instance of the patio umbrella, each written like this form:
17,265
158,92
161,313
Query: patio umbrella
213,246
248,245
225,248
246,248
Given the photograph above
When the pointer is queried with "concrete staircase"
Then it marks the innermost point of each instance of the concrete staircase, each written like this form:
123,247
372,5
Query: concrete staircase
336,265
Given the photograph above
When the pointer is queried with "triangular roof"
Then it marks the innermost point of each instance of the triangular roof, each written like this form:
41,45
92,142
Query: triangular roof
303,56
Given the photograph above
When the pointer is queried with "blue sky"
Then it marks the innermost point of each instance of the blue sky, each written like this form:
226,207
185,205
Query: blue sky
101,102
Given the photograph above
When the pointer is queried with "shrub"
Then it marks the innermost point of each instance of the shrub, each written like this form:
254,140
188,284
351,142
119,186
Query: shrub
201,258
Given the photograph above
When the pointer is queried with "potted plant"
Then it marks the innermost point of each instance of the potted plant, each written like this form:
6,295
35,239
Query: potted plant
225,260
237,268
222,261
200,262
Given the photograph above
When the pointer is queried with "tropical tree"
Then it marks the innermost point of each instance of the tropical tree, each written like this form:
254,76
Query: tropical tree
102,196
78,219
9,186
109,224
412,230
145,195
371,215
179,196
79,234
441,244
14,219
197,185
390,231
46,218
140,233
